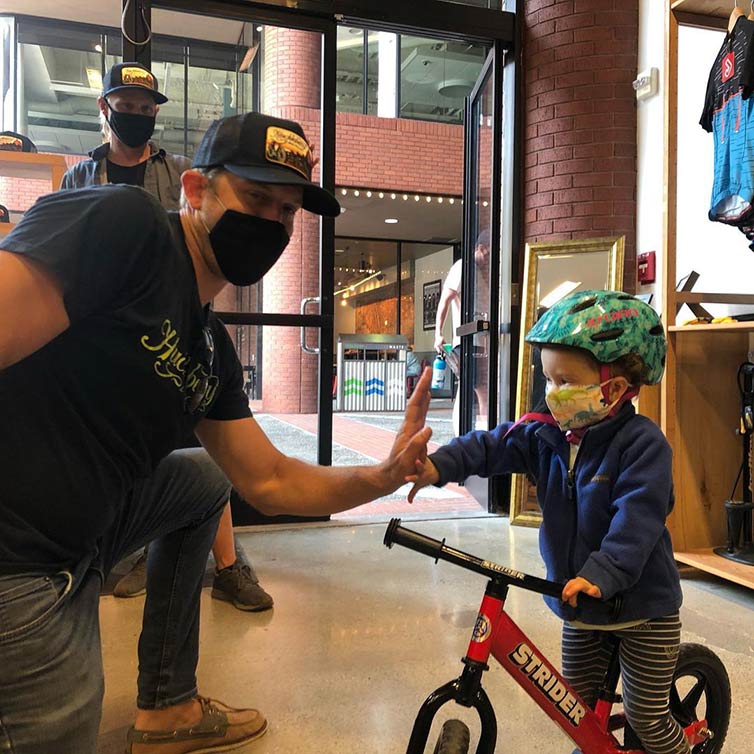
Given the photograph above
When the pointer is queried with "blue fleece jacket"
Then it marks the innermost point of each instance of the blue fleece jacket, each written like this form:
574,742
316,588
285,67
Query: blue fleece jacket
604,521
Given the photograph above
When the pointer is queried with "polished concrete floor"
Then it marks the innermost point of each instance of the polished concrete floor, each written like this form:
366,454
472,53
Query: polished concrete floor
360,634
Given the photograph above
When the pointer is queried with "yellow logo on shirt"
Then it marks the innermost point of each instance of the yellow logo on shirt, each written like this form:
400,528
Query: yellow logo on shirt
173,364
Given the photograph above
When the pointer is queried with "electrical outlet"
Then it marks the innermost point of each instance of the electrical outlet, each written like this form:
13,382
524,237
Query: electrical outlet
647,84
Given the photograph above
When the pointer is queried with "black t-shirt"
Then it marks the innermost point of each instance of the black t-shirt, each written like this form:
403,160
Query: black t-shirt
133,175
99,406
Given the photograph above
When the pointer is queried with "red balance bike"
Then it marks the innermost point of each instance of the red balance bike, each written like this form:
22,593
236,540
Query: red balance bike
699,699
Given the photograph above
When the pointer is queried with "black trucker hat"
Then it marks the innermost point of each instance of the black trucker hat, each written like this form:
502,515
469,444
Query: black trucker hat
10,141
131,76
265,149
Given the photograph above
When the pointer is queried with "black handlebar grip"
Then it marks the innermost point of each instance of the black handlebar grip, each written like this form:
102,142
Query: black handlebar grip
395,534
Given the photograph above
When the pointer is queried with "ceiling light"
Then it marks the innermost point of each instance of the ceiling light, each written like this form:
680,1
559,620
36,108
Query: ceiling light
260,28
455,88
429,199
416,197
356,192
439,200
98,48
369,194
392,220
452,200
405,197
344,191
392,196
381,195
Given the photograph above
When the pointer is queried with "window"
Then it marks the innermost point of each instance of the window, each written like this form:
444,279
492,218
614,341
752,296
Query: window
61,69
430,77
350,72
436,76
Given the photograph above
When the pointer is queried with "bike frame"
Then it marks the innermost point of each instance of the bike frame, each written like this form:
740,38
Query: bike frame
496,633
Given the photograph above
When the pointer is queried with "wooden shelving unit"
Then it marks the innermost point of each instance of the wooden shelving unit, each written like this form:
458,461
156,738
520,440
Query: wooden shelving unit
33,165
714,8
699,401
714,327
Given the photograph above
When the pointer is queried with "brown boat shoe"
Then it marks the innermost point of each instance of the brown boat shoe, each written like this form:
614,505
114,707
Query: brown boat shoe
222,728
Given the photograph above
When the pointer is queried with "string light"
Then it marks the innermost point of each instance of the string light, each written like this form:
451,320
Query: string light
428,198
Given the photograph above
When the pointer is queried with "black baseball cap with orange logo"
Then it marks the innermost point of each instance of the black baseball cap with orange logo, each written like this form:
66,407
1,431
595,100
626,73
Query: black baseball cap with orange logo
268,150
131,76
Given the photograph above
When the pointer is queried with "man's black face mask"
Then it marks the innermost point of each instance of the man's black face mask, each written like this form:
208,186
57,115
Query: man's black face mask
246,246
132,129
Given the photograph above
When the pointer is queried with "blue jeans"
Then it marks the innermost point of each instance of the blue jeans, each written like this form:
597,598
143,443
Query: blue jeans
51,680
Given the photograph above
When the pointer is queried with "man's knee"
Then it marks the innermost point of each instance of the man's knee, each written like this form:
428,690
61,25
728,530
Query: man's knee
193,482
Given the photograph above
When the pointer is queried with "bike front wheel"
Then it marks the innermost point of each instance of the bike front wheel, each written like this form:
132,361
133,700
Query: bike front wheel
454,738
701,690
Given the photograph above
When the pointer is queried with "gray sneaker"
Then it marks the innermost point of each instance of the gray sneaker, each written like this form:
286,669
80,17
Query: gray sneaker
134,583
239,584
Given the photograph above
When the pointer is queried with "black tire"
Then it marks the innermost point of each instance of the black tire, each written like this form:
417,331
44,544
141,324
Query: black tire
701,690
454,738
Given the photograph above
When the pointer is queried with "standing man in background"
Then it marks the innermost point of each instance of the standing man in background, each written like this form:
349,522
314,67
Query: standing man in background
450,301
128,109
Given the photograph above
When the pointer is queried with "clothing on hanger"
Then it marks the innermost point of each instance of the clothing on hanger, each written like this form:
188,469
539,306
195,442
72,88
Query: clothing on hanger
729,115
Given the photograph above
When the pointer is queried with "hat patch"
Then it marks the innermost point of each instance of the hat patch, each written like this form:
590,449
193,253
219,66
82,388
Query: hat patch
11,143
287,148
132,76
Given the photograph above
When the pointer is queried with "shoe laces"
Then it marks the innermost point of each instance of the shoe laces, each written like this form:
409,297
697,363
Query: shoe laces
242,573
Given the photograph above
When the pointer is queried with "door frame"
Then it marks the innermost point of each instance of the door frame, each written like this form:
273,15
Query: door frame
497,28
483,489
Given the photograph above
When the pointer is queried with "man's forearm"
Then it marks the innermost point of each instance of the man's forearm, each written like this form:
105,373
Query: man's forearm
306,489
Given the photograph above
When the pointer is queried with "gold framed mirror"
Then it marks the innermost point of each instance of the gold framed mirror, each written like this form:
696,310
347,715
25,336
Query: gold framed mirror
553,270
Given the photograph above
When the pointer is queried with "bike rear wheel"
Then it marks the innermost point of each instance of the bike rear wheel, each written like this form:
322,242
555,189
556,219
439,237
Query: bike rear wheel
454,738
701,690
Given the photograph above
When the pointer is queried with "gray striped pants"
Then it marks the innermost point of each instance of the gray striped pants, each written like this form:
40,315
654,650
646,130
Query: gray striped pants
648,655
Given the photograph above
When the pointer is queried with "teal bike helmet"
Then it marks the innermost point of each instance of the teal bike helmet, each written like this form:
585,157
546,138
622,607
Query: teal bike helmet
608,324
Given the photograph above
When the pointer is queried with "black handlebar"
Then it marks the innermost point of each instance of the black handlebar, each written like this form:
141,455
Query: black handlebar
434,548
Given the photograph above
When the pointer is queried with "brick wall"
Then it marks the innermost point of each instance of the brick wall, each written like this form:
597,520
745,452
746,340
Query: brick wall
18,194
410,155
580,59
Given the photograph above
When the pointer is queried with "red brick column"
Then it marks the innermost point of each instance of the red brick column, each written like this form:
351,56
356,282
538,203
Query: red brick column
292,90
580,59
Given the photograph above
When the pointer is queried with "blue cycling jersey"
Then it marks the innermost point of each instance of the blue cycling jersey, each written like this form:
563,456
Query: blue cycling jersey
729,115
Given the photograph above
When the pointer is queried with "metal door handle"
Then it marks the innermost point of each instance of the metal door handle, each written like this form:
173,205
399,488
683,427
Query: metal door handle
304,303
474,327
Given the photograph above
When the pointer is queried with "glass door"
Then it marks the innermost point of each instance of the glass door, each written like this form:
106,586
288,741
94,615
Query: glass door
481,278
239,62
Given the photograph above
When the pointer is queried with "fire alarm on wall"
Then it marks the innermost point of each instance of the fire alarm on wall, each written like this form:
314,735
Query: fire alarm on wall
646,267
